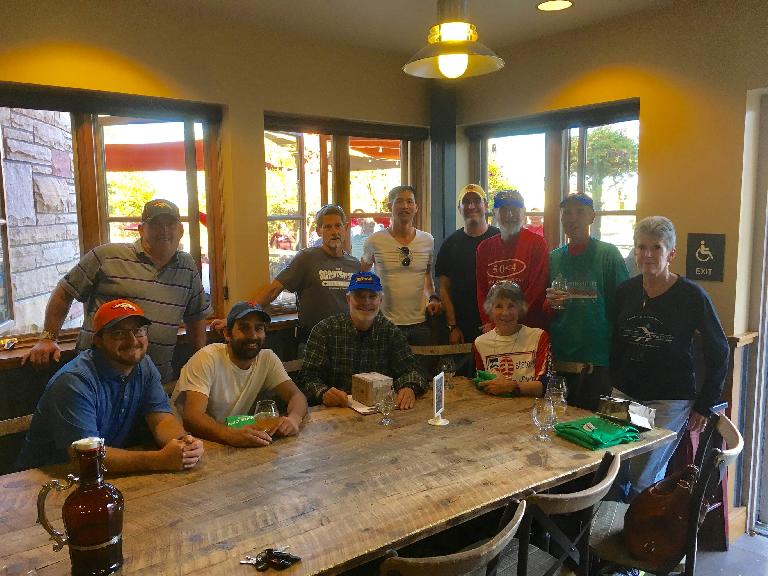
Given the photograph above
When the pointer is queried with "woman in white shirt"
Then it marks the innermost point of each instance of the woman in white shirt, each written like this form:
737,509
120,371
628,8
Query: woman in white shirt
517,354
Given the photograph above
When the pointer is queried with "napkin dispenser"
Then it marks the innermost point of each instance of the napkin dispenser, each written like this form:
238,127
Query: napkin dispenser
370,387
627,412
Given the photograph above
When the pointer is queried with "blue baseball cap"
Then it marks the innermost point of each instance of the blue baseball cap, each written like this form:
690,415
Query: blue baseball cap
244,308
365,281
508,198
579,197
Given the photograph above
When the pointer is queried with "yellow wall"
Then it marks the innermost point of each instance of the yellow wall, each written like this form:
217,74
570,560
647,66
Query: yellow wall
691,66
152,48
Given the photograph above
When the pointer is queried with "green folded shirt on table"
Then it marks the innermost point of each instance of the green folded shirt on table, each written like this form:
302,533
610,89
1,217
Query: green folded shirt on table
483,376
595,433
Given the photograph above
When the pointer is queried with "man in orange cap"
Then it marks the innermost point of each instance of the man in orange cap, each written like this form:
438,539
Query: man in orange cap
103,392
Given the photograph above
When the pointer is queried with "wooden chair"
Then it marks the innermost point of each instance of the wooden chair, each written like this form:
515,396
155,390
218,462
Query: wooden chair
528,559
481,559
608,540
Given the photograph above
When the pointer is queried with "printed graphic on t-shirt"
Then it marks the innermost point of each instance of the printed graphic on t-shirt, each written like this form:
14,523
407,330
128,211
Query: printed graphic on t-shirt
520,365
644,333
506,269
336,279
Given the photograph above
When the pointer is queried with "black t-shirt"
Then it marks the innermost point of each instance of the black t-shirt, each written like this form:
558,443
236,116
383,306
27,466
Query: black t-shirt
456,260
652,353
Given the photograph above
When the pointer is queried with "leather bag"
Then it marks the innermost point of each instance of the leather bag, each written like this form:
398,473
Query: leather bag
656,523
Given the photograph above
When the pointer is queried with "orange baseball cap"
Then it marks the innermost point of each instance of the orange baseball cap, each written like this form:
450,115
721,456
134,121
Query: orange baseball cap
113,311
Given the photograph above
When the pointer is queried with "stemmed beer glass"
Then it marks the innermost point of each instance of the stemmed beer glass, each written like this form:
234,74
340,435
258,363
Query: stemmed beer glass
385,406
266,416
557,390
543,416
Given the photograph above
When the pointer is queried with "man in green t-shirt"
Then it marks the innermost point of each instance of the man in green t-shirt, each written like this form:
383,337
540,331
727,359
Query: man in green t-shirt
581,315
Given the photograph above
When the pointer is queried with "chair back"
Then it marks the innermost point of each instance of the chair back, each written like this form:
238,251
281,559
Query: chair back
462,562
713,459
566,503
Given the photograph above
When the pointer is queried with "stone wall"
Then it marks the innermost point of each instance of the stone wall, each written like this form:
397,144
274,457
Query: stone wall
41,209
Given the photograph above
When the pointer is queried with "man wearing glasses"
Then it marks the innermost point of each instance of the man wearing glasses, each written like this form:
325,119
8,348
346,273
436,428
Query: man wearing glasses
152,271
456,262
103,392
516,255
402,256
319,276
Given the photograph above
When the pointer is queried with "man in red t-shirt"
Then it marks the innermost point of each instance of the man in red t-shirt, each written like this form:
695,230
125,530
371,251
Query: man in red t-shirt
517,255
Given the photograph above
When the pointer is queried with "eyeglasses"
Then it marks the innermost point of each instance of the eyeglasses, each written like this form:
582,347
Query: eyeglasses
405,255
124,334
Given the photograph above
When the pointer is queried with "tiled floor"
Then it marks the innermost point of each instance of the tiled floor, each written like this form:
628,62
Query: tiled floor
748,556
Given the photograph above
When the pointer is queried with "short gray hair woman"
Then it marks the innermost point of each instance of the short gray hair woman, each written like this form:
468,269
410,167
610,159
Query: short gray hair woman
508,290
657,314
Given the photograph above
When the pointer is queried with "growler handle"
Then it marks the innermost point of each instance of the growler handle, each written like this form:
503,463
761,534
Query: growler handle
59,538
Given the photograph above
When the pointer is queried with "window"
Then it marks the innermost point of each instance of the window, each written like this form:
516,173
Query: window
74,173
602,162
310,162
591,149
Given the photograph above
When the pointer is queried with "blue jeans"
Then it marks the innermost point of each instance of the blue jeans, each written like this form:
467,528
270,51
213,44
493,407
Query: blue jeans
645,470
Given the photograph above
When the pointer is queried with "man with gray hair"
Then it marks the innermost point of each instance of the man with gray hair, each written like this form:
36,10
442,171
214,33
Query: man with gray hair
319,276
517,255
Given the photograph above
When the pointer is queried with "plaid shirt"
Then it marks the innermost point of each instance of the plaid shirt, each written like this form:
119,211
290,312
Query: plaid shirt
336,350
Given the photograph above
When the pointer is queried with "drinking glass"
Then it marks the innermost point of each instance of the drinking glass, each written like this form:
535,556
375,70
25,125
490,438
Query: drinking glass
386,405
266,416
558,391
448,366
560,284
543,416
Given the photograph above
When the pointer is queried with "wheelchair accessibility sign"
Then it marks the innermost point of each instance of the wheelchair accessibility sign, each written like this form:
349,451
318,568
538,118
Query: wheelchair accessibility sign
706,256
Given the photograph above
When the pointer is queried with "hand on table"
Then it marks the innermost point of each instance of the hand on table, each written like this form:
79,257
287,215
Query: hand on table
287,426
335,397
42,353
499,385
405,398
248,437
191,452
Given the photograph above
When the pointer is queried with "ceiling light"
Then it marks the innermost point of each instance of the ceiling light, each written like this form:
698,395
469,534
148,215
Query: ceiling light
453,49
554,5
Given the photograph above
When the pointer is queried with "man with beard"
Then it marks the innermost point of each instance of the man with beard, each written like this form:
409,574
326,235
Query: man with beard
103,393
152,272
361,341
455,262
223,380
319,276
516,255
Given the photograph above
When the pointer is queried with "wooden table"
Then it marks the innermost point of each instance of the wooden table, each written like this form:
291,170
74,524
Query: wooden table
341,493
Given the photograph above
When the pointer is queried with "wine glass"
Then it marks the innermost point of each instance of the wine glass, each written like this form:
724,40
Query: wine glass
448,366
557,390
560,284
386,405
543,416
266,416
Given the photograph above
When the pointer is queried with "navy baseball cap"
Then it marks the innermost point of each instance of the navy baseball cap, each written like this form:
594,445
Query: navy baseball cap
244,308
508,198
579,197
365,281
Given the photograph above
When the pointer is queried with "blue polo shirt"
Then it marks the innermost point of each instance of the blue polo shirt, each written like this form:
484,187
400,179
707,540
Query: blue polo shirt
87,397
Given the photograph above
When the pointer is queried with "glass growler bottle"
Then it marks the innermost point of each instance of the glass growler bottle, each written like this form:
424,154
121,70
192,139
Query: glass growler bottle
92,514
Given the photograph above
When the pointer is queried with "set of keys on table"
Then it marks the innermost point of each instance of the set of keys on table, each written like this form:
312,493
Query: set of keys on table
276,558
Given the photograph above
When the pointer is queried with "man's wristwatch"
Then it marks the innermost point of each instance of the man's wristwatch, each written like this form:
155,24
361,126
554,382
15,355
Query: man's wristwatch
48,335
434,297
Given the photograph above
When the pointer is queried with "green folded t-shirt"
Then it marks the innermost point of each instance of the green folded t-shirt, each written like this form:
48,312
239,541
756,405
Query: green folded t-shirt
595,433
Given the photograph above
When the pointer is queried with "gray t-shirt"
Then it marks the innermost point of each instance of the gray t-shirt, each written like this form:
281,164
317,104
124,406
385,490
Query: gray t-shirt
320,282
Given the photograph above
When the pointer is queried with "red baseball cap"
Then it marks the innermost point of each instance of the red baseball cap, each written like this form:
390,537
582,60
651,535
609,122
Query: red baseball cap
113,311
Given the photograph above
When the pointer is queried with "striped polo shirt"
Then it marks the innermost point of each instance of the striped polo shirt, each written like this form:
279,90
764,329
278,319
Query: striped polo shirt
169,295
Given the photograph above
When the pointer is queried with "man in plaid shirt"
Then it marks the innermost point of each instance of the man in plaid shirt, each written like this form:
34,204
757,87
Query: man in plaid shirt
361,341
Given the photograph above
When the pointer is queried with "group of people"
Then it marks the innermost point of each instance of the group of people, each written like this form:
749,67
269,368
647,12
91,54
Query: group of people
606,333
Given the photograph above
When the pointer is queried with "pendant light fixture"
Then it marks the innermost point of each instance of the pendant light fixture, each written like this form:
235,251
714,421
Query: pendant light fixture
453,49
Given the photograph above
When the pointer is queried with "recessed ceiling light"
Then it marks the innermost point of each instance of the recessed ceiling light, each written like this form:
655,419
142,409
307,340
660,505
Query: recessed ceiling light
554,5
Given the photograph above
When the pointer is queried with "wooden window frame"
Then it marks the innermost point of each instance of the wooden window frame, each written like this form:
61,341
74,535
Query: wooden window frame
83,105
556,127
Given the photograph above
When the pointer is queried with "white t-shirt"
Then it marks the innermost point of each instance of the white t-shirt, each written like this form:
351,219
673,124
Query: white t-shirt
521,356
230,390
403,302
